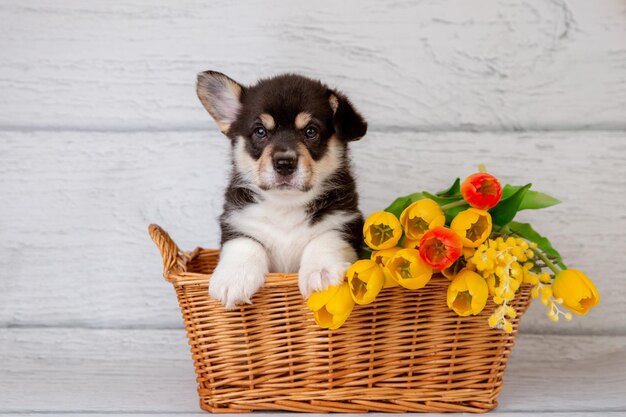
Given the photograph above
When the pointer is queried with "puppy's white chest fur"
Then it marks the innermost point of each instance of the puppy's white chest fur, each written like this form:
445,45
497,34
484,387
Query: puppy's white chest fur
281,224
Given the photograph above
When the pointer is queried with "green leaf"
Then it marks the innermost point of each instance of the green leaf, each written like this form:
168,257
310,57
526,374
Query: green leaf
526,231
365,252
451,213
508,207
453,191
442,201
397,207
533,200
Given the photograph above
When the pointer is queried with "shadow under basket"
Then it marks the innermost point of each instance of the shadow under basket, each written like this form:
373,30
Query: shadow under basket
405,352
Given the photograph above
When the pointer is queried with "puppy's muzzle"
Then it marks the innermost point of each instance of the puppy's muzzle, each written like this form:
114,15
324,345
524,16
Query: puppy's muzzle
285,163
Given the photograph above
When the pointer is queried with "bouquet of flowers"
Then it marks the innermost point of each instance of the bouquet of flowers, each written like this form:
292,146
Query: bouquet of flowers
468,234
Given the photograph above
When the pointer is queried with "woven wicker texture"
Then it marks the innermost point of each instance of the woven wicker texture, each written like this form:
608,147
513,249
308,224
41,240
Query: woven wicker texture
405,352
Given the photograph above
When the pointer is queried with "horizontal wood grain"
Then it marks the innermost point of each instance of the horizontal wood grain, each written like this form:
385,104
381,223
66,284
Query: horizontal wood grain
201,413
150,371
472,65
74,250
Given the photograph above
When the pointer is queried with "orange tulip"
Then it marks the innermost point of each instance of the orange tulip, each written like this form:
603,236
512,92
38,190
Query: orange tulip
440,247
481,190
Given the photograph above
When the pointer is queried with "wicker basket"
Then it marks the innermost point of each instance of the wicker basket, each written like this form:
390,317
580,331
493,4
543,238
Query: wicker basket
405,352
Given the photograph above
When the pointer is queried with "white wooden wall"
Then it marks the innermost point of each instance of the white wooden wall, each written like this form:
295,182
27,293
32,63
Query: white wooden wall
101,132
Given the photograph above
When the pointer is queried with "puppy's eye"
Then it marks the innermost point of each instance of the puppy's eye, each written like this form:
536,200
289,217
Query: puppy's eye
311,132
260,133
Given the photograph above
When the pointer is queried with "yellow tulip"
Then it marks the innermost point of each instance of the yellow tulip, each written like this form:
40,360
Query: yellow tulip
467,293
382,257
420,217
365,279
468,253
577,291
408,269
411,244
473,225
331,307
382,230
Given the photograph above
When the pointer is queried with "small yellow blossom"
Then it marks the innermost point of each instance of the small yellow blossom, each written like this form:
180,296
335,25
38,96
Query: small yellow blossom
409,270
473,225
365,279
467,293
420,217
577,291
331,307
505,265
382,230
493,282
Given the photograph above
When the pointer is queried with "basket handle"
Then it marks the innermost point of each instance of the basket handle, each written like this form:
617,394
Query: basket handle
174,260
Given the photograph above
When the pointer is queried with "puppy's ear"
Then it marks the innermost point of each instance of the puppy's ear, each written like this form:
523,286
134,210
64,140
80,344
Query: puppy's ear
221,96
349,124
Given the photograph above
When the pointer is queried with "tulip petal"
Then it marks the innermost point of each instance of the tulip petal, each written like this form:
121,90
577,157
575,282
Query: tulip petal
473,226
577,291
365,280
341,302
323,318
467,293
421,216
440,247
481,190
319,299
409,270
382,230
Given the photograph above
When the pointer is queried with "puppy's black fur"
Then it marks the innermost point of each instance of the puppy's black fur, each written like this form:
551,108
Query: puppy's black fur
285,97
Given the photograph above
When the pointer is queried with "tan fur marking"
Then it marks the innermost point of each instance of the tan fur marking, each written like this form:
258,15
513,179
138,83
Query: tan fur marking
307,164
267,120
334,102
329,162
302,119
265,166
224,127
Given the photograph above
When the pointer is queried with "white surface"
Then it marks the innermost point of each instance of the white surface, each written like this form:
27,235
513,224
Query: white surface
101,134
150,371
490,64
74,240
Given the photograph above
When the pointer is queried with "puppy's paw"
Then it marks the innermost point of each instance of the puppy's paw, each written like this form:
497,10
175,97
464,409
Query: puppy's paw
234,285
240,273
319,274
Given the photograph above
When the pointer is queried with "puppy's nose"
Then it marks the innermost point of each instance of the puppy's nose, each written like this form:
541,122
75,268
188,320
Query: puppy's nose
285,164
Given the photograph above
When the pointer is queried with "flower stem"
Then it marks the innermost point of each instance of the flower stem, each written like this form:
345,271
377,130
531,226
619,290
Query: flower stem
545,260
541,256
453,205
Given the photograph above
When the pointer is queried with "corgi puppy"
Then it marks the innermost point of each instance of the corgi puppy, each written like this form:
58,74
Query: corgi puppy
291,204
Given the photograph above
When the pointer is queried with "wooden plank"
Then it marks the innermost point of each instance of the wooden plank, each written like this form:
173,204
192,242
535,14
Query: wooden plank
70,370
74,249
150,371
127,64
259,414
